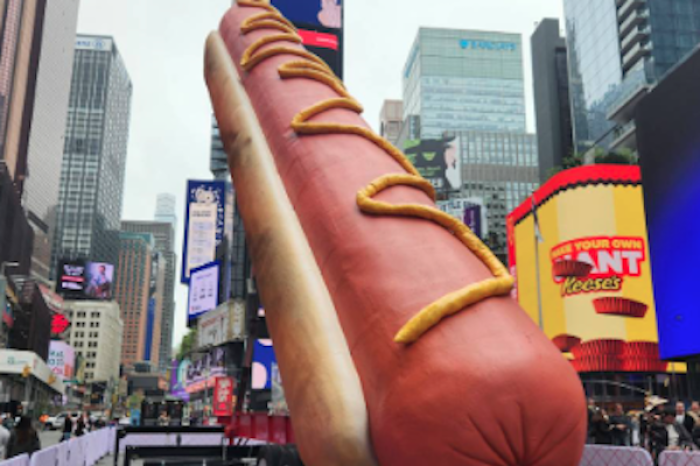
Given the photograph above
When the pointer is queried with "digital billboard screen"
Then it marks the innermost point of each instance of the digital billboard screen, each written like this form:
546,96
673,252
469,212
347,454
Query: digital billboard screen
71,278
99,277
317,13
591,290
204,290
437,160
668,135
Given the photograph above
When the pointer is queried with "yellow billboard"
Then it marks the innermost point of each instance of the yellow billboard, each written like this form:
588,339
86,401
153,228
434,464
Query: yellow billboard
579,252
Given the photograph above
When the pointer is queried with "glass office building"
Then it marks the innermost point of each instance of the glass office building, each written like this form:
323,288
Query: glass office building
501,169
465,80
617,50
94,160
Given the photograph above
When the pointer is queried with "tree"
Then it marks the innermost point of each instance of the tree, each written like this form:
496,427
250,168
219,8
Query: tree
188,343
601,156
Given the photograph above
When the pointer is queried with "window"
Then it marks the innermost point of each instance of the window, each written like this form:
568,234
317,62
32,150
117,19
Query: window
92,344
93,335
80,324
94,325
81,314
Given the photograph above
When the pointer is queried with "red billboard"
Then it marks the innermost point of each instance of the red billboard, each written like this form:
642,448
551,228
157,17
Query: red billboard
223,397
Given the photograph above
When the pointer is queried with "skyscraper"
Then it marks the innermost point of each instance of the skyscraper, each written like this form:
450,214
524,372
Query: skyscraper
464,117
165,209
552,108
465,80
35,72
163,235
617,51
133,293
94,161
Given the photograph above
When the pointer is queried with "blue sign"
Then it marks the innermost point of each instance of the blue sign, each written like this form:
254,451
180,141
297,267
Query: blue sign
205,219
263,359
323,13
487,45
150,323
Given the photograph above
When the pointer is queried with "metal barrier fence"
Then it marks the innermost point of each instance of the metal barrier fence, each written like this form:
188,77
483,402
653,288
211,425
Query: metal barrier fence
680,458
81,451
601,455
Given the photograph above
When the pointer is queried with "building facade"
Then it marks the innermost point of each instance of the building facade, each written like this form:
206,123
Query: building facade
48,126
164,244
465,80
500,169
133,293
96,332
94,160
552,107
391,120
165,209
617,51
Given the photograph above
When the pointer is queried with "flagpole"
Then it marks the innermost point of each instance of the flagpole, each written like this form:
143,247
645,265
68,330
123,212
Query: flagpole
538,238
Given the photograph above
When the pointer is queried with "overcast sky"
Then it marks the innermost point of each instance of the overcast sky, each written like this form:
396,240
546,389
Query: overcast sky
162,44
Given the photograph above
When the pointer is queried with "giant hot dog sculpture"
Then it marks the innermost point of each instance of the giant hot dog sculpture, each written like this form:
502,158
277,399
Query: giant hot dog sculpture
396,339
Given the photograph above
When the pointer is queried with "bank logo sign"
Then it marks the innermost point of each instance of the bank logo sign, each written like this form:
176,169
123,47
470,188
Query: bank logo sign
469,44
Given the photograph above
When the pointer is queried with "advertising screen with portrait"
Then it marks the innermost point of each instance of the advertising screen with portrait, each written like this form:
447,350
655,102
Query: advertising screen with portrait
99,277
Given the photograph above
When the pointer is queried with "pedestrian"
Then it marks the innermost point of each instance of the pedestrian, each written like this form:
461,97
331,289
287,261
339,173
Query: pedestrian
695,414
620,427
683,418
23,439
601,431
4,439
669,434
80,426
67,428
591,408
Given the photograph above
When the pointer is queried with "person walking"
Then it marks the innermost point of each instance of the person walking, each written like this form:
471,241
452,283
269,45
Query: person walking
67,428
80,426
23,439
684,418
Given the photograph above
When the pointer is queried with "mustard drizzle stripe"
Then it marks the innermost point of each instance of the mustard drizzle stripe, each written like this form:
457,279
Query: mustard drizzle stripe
317,70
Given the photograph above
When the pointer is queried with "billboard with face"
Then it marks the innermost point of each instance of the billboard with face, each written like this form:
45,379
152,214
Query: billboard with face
99,277
437,160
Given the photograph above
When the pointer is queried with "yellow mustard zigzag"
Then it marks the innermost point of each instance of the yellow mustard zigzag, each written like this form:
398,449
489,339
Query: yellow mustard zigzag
312,67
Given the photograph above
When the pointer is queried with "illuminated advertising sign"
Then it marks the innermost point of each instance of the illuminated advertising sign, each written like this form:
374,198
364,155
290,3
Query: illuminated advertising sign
204,290
223,396
99,277
437,160
71,278
204,224
61,359
669,154
594,278
263,361
320,26
323,13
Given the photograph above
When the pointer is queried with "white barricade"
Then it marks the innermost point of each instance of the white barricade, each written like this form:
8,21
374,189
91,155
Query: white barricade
22,460
602,455
46,457
680,458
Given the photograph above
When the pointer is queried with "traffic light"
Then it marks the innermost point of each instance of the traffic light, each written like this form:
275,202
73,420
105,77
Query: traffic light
26,371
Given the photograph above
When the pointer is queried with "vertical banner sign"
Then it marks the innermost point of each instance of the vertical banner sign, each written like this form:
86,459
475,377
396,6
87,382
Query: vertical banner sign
204,225
204,290
223,397
472,219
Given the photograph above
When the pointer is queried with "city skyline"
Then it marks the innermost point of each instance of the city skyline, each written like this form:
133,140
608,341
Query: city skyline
171,109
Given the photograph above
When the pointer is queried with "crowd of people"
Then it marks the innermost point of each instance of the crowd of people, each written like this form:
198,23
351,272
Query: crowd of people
17,438
659,427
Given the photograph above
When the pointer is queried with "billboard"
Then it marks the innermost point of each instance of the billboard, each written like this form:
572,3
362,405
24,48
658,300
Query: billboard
223,324
204,224
264,360
669,154
320,25
71,278
223,397
204,290
585,227
470,210
99,279
61,359
437,160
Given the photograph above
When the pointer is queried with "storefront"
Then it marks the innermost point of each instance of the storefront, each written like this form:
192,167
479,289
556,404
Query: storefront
26,380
